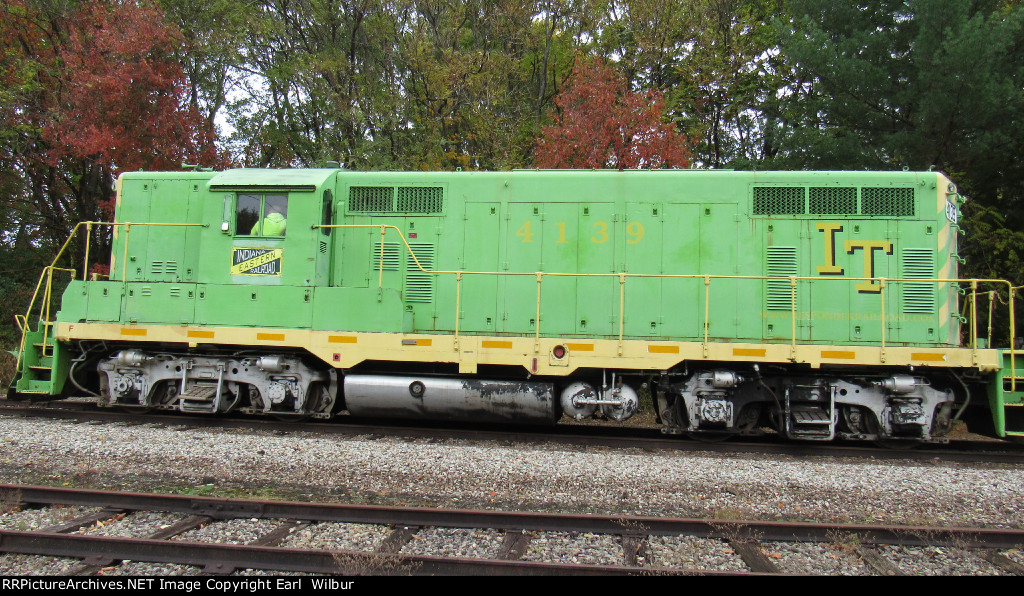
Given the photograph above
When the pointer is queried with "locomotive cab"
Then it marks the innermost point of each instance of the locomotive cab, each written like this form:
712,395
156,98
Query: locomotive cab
218,256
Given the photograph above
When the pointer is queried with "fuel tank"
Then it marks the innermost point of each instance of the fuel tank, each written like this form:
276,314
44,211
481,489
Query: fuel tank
385,396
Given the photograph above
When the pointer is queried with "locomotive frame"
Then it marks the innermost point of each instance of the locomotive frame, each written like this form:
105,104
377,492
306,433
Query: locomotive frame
821,304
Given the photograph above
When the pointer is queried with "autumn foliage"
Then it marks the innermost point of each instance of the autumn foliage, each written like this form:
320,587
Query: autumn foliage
599,123
87,90
123,101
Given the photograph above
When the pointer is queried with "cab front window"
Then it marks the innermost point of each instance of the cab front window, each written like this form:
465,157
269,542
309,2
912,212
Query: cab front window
262,215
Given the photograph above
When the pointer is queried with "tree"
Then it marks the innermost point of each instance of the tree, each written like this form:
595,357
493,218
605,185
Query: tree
885,84
123,104
87,90
601,124
724,92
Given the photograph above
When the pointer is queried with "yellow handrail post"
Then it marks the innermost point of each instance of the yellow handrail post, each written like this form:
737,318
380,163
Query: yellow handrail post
991,305
1013,337
881,294
124,261
380,276
46,301
707,311
622,307
974,322
458,299
88,241
536,340
792,315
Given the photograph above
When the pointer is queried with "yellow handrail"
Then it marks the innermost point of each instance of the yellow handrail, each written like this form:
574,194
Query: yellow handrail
883,283
622,277
47,274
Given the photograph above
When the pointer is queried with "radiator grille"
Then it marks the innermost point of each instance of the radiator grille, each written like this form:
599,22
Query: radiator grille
918,297
779,200
404,199
833,200
887,201
781,261
391,256
420,199
378,199
419,286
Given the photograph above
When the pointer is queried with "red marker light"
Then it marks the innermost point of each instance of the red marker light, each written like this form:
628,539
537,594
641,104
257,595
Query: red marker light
559,352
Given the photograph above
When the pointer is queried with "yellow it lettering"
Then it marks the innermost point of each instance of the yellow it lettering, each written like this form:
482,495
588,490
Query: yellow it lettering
830,267
869,248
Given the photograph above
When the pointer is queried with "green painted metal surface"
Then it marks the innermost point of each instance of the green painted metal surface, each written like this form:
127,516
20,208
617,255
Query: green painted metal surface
1006,399
830,226
582,229
43,365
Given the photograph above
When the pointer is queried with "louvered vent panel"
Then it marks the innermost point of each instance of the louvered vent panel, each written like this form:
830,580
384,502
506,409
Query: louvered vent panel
377,199
781,261
779,200
156,267
420,199
419,286
392,254
832,200
918,297
894,202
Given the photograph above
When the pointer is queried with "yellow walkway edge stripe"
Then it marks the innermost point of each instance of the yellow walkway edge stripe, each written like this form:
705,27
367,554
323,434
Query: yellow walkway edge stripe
348,350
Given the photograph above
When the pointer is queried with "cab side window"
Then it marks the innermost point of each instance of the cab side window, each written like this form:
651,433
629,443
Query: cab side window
261,215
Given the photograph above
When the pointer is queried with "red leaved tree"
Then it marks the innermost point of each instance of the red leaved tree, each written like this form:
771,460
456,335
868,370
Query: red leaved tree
87,90
599,123
123,103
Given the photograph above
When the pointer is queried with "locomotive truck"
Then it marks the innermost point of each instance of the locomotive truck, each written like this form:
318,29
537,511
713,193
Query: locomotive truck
817,305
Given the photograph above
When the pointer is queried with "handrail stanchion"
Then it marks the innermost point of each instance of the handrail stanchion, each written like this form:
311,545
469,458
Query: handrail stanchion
458,300
1013,336
707,311
881,294
974,322
991,305
792,316
46,302
622,307
380,276
536,339
88,241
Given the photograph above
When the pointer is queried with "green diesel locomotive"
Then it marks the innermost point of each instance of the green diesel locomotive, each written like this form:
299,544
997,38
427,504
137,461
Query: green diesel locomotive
819,304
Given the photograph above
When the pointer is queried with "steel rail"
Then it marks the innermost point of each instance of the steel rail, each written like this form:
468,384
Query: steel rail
226,558
223,508
649,438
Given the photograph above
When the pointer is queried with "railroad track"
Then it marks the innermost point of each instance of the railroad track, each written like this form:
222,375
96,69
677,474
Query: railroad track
968,451
98,529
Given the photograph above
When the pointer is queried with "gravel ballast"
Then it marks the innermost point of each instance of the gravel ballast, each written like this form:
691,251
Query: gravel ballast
509,476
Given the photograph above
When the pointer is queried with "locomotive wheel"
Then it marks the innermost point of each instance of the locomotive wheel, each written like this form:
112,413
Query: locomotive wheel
874,427
317,399
163,395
